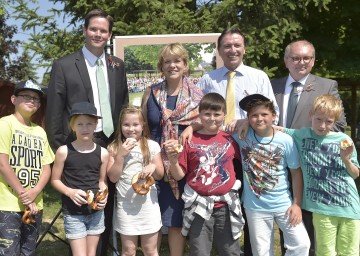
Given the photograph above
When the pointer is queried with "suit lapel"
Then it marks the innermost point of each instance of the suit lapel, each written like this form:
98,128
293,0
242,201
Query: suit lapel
304,97
84,74
111,78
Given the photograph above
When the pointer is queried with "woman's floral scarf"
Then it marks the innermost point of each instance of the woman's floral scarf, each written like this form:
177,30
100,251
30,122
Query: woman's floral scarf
185,112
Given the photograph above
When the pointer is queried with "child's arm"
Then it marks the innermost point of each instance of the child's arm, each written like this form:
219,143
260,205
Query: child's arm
76,195
294,211
345,155
29,196
155,168
116,162
102,181
175,169
188,132
104,163
9,175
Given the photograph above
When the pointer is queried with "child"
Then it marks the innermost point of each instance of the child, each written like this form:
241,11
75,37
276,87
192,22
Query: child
329,172
133,154
266,155
212,205
25,158
81,166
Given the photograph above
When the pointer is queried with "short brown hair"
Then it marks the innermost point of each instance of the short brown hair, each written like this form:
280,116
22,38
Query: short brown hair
99,13
232,30
212,101
329,104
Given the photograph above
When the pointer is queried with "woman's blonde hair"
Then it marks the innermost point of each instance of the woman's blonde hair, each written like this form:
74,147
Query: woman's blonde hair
175,49
328,104
120,138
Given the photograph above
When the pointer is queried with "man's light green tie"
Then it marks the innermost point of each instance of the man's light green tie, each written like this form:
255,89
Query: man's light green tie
107,123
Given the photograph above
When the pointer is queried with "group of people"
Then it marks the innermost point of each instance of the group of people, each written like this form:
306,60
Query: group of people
140,84
235,170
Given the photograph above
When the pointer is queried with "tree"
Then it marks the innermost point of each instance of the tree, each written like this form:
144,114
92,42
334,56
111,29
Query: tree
13,66
332,25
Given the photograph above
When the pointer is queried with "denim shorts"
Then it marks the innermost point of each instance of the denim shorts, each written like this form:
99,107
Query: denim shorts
79,226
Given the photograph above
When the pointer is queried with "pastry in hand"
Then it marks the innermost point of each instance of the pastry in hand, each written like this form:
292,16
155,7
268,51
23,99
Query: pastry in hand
344,144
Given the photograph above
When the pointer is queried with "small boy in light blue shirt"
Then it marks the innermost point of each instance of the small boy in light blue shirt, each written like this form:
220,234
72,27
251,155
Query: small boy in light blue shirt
266,155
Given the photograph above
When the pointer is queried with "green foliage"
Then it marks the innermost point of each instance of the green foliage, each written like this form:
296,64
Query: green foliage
332,25
13,66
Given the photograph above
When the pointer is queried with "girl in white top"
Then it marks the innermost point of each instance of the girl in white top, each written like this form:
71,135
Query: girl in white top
133,153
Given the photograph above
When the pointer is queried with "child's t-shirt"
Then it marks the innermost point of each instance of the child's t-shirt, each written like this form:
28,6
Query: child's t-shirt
328,187
28,150
264,162
207,161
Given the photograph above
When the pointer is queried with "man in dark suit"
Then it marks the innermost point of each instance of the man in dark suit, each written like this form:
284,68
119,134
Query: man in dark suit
74,78
299,59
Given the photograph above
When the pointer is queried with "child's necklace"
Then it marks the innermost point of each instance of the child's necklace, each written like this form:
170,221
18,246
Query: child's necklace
267,142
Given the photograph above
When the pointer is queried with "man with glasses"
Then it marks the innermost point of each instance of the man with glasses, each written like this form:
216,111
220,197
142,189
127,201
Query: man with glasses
295,95
299,59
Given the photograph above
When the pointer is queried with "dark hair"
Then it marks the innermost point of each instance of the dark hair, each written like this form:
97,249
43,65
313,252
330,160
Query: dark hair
99,13
268,104
212,101
232,30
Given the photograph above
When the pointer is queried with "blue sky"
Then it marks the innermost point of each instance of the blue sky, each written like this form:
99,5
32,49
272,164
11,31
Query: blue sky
24,35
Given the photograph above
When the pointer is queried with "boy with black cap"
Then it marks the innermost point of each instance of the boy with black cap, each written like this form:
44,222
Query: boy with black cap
25,158
266,155
79,172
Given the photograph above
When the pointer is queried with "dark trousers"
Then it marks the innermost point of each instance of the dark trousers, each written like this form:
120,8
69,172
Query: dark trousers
240,176
102,248
108,211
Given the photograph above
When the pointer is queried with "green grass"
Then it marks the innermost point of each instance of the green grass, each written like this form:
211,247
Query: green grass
51,246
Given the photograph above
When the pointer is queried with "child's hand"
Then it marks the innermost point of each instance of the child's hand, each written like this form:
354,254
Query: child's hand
243,129
101,204
148,170
77,196
127,146
28,196
294,214
171,150
345,153
33,209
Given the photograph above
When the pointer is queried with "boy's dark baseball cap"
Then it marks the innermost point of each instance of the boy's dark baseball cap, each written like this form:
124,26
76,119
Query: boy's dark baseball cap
248,99
84,108
28,85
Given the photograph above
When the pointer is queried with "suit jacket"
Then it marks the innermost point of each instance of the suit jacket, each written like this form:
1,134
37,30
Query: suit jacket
314,87
70,83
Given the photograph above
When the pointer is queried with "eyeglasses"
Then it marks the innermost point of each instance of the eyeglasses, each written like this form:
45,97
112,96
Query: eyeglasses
306,59
29,98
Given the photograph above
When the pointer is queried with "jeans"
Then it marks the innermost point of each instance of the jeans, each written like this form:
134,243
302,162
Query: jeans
79,226
261,226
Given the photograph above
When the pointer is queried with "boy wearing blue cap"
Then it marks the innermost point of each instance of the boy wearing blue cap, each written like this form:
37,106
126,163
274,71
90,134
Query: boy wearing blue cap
266,157
25,158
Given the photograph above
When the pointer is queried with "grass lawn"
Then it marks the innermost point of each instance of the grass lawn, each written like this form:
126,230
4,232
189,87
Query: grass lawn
51,246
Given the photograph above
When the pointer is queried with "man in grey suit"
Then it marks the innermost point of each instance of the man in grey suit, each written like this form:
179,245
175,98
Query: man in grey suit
299,59
74,78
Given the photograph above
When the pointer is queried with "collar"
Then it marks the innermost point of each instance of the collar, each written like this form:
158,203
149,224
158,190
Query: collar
91,58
